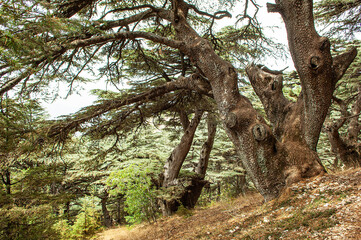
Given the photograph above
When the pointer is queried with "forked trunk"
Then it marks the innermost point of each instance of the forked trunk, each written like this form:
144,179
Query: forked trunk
188,195
192,192
174,164
273,159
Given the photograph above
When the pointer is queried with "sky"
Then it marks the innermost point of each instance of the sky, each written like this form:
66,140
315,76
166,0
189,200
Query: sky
73,103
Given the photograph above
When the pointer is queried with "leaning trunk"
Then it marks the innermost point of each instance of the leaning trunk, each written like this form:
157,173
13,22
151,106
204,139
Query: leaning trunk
192,192
173,166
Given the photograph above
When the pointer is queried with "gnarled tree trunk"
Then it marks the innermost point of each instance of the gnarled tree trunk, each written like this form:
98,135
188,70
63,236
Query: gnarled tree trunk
273,158
194,190
187,196
175,161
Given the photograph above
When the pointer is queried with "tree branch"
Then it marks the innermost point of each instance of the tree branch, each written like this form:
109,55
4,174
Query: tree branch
124,35
71,7
61,130
221,14
343,61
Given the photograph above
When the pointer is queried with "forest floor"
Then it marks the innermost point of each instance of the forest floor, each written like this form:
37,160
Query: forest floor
325,207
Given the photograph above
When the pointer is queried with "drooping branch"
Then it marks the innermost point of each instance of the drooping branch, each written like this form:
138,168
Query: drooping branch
34,67
193,82
59,50
124,35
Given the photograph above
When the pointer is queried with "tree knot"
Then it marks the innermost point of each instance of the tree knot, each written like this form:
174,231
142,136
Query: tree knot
231,120
259,132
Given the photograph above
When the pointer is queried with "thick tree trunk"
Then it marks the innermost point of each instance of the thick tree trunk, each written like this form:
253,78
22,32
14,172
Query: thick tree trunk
188,196
318,71
176,159
271,163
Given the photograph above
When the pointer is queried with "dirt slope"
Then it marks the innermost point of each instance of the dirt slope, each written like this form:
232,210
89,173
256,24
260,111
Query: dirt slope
327,207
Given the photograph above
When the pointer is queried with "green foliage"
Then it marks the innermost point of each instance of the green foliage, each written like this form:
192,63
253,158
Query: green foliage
27,222
184,212
63,228
135,183
87,223
342,17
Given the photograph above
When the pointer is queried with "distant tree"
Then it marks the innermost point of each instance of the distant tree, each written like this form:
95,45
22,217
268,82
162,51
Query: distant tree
26,197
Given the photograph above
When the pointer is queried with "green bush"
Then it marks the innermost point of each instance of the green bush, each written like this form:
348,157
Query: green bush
86,223
135,183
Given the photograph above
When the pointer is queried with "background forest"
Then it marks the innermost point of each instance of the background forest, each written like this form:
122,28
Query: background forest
105,165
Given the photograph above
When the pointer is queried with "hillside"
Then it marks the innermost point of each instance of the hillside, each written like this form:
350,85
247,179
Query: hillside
326,207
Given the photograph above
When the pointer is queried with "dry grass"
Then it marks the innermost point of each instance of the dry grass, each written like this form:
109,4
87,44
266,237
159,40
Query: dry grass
327,207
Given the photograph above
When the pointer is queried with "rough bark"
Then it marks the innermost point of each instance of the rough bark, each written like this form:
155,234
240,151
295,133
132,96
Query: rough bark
175,161
194,190
244,126
318,71
269,162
